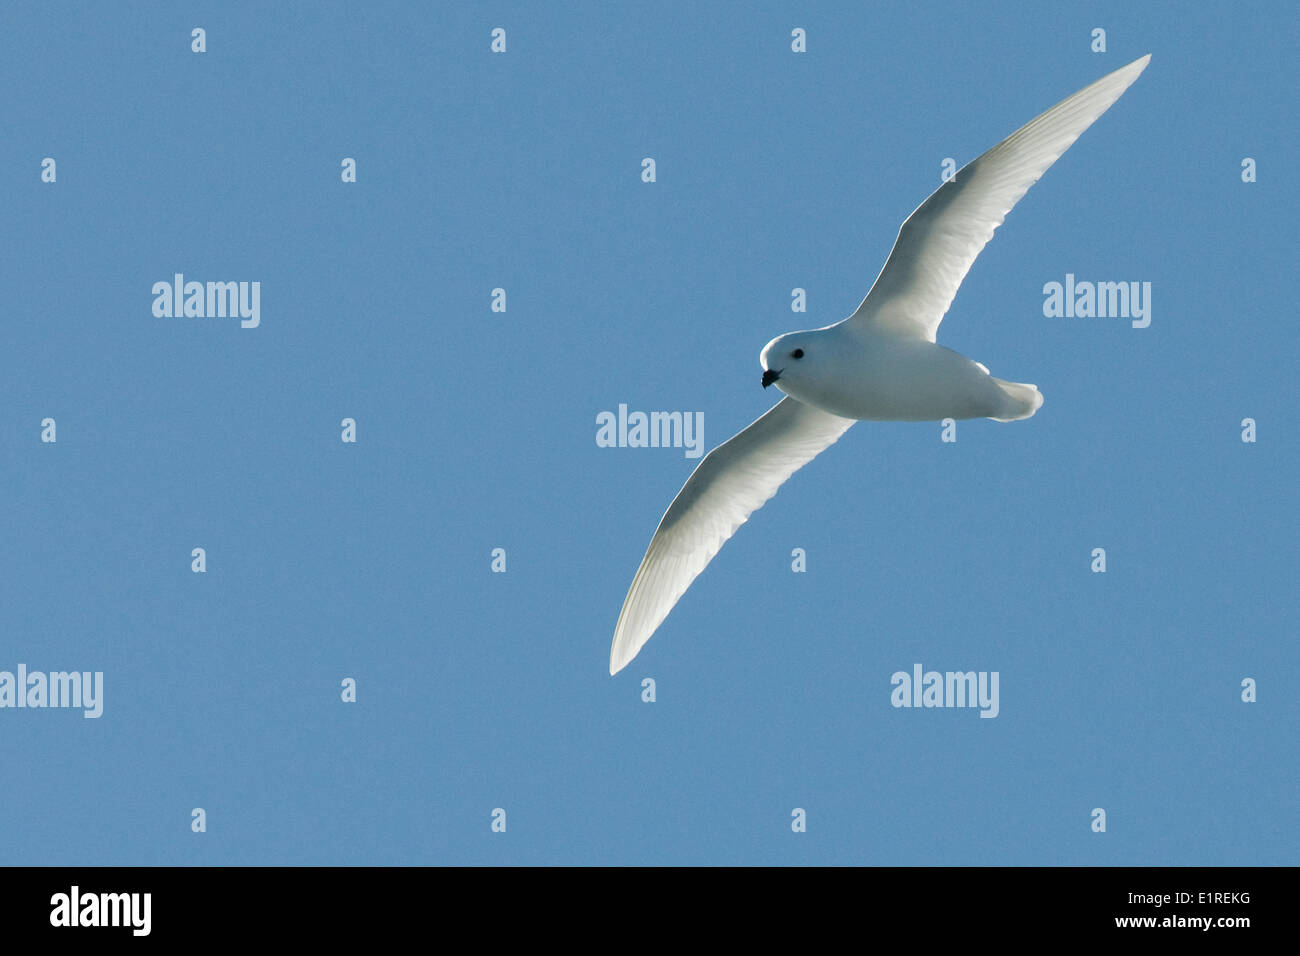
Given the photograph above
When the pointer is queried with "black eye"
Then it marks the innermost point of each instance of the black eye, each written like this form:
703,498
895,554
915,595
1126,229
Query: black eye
797,353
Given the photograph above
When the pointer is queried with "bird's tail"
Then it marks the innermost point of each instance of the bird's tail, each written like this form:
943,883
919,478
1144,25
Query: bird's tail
1021,401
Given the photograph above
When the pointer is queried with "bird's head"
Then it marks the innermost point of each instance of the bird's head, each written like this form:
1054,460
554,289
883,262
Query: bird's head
785,357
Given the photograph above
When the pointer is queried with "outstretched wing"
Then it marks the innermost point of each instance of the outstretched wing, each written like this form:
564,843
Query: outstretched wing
732,482
940,240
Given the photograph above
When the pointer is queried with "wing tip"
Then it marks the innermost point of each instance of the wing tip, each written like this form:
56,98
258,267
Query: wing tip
1137,66
619,657
616,665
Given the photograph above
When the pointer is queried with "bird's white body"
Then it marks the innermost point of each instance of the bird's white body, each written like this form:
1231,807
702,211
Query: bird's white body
882,363
877,376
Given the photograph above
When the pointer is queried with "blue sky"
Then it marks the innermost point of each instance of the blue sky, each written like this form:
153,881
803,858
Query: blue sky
476,430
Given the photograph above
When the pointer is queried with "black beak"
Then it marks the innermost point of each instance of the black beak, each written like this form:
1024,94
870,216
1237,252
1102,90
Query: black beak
770,376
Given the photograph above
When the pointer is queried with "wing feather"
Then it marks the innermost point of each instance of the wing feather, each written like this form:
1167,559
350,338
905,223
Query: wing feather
728,485
940,240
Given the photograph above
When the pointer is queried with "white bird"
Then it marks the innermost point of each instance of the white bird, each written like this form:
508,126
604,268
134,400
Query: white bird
880,363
